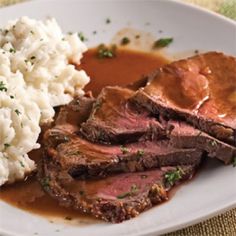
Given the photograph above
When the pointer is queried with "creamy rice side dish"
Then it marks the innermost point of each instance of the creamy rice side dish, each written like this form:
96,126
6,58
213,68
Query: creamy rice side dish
36,75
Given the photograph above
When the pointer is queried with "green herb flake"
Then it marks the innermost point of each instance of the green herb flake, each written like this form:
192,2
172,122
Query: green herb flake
31,31
45,182
133,189
108,21
6,145
124,149
22,164
2,87
234,162
32,58
172,177
12,97
82,37
162,42
123,195
6,31
213,143
17,112
12,50
106,52
140,152
125,41
94,32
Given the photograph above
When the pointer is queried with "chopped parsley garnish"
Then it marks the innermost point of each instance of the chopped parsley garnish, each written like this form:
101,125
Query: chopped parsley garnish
17,112
106,52
2,86
6,31
82,37
125,41
162,42
32,58
45,182
12,97
213,143
31,31
234,162
6,145
172,177
22,164
123,195
108,21
12,50
124,149
133,191
140,152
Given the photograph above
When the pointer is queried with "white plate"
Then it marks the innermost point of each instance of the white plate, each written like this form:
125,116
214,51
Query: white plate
213,190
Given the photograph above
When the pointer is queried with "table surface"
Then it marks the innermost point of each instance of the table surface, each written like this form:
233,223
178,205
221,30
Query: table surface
224,224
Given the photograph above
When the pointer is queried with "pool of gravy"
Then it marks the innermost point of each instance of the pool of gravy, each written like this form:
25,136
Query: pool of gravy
127,67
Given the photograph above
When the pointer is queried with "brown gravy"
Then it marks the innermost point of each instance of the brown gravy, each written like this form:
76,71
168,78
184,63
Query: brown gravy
126,67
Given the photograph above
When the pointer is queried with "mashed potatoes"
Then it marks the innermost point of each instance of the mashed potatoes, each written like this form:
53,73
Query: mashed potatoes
35,76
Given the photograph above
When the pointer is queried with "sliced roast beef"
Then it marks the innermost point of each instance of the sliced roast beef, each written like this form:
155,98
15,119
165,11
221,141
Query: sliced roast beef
115,198
75,113
83,159
115,120
199,90
183,135
68,120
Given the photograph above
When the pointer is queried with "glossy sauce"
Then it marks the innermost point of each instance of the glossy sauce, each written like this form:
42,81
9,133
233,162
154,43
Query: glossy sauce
126,67
204,85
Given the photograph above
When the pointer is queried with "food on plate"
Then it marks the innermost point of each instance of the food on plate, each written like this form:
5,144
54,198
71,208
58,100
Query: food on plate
116,154
127,134
200,90
115,198
83,159
36,75
116,120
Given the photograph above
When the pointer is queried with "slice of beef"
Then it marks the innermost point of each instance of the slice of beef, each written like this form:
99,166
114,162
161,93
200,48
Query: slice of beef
199,90
75,113
183,135
115,120
68,120
83,159
116,198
